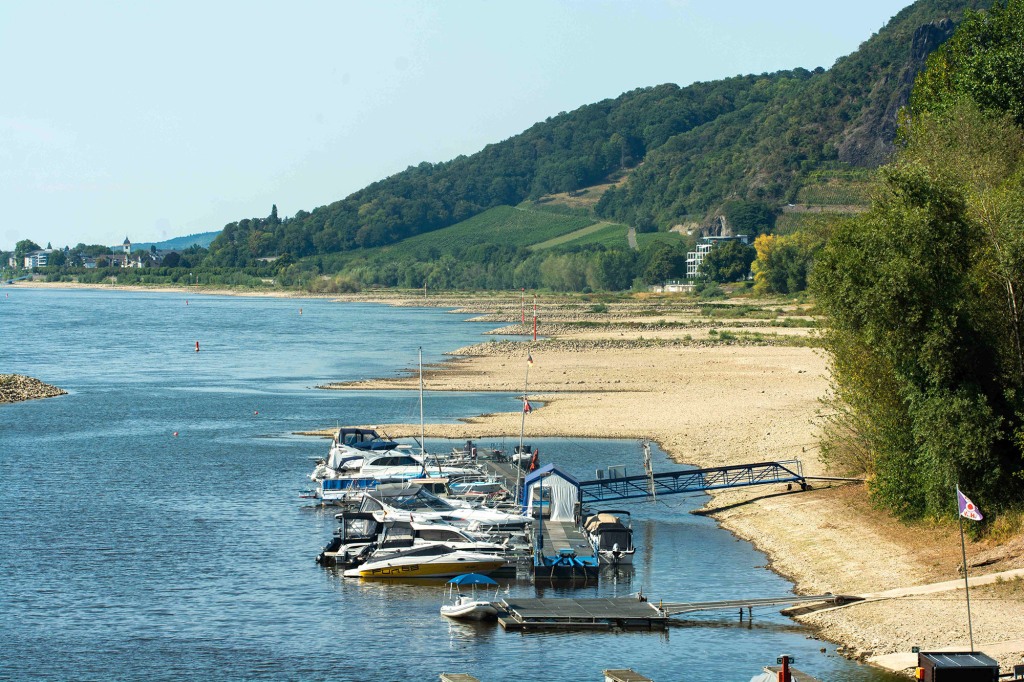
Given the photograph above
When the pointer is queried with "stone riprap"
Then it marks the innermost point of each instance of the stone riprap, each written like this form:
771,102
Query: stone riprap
16,387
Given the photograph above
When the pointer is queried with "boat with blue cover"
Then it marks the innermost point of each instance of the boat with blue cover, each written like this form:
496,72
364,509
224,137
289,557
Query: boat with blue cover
468,606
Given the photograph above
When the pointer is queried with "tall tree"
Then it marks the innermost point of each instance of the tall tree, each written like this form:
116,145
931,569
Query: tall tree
922,298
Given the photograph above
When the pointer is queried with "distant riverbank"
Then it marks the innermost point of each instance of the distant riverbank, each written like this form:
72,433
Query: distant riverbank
16,387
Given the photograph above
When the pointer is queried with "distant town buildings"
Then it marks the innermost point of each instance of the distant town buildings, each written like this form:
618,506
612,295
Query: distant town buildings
117,258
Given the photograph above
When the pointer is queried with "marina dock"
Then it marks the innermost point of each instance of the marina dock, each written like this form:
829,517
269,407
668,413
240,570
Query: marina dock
620,612
580,614
563,552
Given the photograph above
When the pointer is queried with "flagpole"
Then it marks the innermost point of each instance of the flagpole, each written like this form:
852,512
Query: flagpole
522,430
534,318
967,586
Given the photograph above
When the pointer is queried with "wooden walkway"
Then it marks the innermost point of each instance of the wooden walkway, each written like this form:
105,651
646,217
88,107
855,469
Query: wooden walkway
506,472
564,553
676,608
580,614
620,612
794,674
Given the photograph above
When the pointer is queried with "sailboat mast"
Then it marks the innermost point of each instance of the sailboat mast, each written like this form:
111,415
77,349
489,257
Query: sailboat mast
423,449
522,426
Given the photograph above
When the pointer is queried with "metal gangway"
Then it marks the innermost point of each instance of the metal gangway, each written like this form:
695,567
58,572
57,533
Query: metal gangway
653,485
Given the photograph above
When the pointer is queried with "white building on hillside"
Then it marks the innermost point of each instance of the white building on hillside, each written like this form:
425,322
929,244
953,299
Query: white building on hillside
694,259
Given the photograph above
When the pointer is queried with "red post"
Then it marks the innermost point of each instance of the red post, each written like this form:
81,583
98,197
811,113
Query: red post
522,303
784,673
534,318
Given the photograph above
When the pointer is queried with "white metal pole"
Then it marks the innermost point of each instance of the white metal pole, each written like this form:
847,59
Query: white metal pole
967,586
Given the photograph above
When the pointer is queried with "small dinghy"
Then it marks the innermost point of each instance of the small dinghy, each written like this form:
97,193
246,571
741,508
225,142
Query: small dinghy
468,607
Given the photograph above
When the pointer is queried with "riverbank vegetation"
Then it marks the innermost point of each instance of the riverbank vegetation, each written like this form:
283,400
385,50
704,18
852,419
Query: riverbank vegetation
922,294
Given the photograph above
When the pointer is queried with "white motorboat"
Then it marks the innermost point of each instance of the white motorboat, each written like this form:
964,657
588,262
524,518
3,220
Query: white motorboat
485,487
407,465
406,503
349,447
469,607
612,539
429,561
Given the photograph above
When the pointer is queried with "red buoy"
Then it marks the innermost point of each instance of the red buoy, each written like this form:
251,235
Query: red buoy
175,434
197,346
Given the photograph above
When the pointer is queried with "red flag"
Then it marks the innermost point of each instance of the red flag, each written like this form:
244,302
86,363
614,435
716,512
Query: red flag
529,358
526,406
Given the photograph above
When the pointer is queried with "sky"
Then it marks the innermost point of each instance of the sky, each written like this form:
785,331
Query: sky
155,119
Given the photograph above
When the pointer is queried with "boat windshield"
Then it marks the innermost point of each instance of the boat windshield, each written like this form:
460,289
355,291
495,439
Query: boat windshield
421,500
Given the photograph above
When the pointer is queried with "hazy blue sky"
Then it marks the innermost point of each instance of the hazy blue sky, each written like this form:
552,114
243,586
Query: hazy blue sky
160,119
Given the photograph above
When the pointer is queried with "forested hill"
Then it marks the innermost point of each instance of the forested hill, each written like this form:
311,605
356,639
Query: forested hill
685,149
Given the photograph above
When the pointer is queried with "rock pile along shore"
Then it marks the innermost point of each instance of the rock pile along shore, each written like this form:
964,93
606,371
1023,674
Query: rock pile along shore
15,388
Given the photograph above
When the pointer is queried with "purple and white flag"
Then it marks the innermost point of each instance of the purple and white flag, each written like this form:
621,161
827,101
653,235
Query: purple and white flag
968,509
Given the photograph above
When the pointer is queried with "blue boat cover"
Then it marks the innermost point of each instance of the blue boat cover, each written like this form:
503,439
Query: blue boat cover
472,579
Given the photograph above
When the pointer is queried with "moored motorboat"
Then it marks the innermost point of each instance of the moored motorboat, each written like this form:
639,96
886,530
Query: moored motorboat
612,539
468,607
349,447
403,502
429,561
485,487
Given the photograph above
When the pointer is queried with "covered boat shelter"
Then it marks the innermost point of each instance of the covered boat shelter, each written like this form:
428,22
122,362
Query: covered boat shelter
553,492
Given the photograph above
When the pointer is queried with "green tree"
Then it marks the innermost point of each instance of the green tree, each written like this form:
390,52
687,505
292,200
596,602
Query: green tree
23,247
983,62
728,262
924,328
783,263
750,217
663,262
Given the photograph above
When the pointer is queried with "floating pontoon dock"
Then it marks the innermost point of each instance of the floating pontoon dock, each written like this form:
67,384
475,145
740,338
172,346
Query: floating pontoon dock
580,614
620,612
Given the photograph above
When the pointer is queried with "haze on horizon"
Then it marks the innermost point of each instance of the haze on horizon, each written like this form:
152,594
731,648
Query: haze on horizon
157,120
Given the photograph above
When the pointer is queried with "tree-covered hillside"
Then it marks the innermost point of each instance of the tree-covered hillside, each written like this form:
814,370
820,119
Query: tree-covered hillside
688,149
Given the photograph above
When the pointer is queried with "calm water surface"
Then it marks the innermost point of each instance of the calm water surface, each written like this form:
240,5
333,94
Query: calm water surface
129,552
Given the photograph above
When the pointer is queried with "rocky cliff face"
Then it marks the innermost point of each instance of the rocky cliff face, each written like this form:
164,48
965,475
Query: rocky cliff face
869,142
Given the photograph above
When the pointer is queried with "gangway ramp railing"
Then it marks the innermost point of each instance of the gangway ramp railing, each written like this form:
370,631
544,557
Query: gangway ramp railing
691,481
677,608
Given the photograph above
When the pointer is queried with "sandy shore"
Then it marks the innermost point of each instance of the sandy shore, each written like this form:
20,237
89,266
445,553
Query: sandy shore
728,403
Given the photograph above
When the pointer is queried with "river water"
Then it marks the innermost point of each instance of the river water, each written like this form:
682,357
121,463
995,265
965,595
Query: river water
151,526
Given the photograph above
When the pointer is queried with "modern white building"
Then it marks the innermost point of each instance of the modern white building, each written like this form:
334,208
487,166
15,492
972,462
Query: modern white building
694,259
37,259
